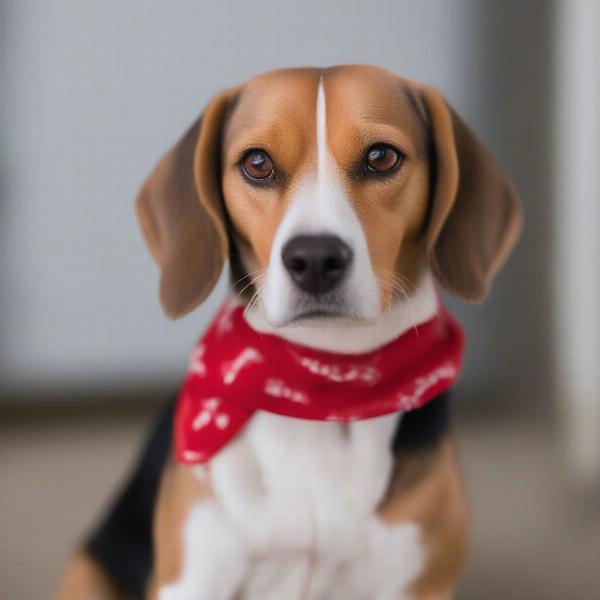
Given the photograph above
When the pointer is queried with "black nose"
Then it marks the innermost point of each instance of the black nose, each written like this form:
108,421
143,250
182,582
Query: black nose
316,263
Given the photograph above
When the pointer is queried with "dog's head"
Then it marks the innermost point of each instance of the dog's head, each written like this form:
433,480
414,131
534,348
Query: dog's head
333,189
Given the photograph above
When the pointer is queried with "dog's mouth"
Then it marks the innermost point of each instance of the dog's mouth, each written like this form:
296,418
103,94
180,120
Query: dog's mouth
320,315
317,313
285,302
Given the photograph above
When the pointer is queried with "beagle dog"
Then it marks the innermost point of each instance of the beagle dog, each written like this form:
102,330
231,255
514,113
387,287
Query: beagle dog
340,196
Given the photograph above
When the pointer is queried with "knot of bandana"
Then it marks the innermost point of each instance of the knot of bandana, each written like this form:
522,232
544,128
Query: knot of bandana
235,371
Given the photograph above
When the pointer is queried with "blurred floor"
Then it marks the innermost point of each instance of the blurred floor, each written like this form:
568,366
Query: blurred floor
528,539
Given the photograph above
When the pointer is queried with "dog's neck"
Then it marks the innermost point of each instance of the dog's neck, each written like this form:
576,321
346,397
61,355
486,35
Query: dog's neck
351,338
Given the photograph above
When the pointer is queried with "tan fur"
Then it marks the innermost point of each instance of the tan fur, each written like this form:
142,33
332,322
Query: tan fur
364,106
367,106
465,225
275,112
180,489
475,213
181,213
84,579
464,221
427,490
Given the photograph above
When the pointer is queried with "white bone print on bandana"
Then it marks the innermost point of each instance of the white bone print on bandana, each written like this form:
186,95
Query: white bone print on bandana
278,389
210,412
232,369
339,374
225,320
194,456
408,402
196,364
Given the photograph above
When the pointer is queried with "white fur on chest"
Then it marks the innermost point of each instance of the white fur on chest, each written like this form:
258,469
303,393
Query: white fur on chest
294,516
299,483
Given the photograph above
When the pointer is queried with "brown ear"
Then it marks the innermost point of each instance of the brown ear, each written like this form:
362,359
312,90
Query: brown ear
180,210
475,216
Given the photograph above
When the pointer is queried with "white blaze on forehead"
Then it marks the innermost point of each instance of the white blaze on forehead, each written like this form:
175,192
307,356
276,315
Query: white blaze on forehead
334,213
321,131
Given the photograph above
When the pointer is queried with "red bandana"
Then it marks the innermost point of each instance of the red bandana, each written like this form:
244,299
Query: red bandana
235,371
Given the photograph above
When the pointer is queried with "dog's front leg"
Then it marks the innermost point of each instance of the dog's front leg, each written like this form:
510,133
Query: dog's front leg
199,553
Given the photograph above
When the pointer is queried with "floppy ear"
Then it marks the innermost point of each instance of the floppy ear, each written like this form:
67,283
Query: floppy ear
475,216
181,213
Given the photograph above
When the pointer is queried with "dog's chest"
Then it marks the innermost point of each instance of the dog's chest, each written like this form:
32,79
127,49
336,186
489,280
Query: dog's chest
298,483
304,495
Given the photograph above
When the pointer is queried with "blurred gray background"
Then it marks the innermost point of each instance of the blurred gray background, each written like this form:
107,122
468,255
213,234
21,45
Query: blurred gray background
92,94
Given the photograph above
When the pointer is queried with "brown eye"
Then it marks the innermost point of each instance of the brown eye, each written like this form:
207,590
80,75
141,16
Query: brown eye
382,158
257,165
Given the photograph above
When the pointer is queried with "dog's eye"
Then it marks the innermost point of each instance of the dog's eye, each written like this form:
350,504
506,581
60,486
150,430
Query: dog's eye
382,158
257,165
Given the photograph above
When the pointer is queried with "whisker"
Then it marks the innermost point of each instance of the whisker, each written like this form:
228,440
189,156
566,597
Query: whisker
246,276
251,302
255,300
253,281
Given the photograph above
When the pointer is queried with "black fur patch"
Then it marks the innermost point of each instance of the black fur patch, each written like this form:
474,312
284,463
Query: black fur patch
422,429
122,541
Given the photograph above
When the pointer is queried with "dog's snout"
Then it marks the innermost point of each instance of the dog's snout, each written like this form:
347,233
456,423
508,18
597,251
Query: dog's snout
316,263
